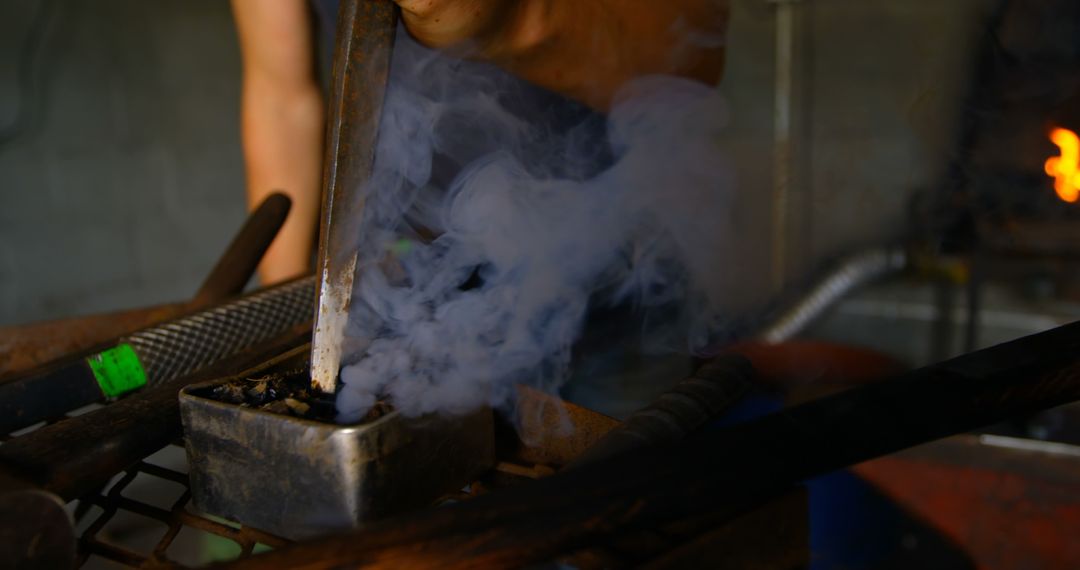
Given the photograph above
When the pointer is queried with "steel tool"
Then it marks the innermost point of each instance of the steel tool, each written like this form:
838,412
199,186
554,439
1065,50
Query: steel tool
361,69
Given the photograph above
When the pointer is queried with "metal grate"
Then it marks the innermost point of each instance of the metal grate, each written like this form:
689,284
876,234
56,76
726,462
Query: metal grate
161,528
131,549
118,527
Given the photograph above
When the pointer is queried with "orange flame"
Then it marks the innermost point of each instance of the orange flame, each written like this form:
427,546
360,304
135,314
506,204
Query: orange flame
1065,168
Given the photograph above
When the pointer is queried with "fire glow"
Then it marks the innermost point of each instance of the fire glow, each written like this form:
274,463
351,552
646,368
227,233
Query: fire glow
1065,169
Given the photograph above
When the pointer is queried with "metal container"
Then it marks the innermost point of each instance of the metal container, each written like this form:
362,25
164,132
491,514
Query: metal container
298,478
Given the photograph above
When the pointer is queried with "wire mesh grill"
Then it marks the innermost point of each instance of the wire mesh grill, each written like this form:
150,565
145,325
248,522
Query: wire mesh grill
123,526
120,526
130,523
143,545
157,538
100,545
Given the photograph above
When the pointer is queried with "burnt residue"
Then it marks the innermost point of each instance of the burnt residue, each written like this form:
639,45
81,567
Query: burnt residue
286,393
332,476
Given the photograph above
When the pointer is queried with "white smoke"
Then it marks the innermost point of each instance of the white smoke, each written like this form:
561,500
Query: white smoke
491,229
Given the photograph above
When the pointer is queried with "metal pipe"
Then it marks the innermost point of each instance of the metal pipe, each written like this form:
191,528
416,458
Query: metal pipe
26,347
783,104
853,272
234,269
715,387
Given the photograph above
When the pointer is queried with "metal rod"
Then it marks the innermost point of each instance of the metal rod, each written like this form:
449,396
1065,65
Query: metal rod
783,105
716,472
713,389
235,267
78,455
365,37
973,308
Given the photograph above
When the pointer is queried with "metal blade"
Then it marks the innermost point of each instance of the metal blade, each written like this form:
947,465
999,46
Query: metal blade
365,38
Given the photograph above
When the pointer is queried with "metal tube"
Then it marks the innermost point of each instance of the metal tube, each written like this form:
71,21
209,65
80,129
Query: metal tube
853,272
783,104
80,454
234,269
687,406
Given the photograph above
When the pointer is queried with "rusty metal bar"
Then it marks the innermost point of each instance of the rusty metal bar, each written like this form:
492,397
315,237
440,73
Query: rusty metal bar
365,38
25,347
687,406
721,472
78,455
235,267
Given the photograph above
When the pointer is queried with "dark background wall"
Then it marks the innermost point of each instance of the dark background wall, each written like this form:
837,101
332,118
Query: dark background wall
877,86
126,182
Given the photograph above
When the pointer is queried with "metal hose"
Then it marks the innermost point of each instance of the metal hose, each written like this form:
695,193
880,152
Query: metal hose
852,273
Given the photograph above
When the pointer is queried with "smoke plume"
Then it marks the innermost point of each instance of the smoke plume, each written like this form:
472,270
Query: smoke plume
498,218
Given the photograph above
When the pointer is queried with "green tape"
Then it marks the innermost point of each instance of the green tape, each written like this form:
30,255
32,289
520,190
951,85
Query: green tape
118,370
401,247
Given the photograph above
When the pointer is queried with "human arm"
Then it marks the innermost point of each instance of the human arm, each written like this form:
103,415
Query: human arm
282,124
584,49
